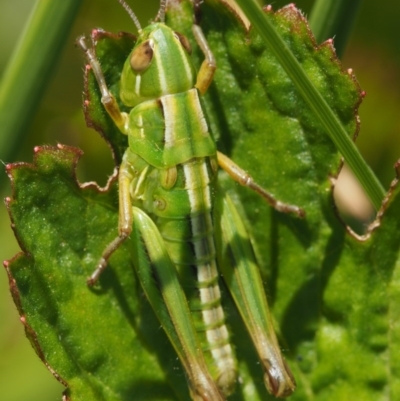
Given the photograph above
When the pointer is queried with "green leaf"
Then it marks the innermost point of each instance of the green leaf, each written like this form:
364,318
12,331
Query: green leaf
94,341
334,298
310,93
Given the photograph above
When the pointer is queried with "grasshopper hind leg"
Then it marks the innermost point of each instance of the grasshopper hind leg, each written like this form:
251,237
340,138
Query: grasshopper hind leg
241,273
159,279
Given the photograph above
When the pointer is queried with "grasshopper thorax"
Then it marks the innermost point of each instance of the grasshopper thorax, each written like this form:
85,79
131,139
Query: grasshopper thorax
159,64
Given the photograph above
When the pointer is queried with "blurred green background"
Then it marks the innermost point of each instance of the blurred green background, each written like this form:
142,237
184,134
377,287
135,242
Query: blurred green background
373,52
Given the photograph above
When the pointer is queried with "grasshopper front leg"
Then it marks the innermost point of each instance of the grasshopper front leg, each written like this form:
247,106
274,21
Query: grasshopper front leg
208,67
107,98
120,119
241,273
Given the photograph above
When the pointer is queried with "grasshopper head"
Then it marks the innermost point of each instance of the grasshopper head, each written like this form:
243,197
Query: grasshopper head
159,64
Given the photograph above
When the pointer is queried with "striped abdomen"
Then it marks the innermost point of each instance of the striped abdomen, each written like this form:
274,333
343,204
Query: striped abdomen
189,237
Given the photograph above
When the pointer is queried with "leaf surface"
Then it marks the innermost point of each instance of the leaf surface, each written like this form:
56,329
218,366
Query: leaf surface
333,297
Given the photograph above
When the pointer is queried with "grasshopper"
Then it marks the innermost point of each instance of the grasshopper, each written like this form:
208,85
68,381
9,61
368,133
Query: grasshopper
167,188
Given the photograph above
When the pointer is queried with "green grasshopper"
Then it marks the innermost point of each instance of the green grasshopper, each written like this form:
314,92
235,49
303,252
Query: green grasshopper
167,190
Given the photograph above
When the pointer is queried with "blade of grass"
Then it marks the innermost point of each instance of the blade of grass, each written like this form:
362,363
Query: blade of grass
315,101
30,68
334,18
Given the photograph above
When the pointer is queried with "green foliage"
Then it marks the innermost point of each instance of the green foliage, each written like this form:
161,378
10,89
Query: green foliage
333,297
39,48
94,340
322,113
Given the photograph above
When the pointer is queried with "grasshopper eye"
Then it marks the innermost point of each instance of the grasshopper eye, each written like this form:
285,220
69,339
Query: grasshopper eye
184,42
141,57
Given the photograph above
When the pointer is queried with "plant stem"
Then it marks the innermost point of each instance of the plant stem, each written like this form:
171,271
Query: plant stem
334,18
30,68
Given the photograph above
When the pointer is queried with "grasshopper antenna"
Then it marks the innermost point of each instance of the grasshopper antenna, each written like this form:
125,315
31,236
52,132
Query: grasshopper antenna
161,12
131,14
